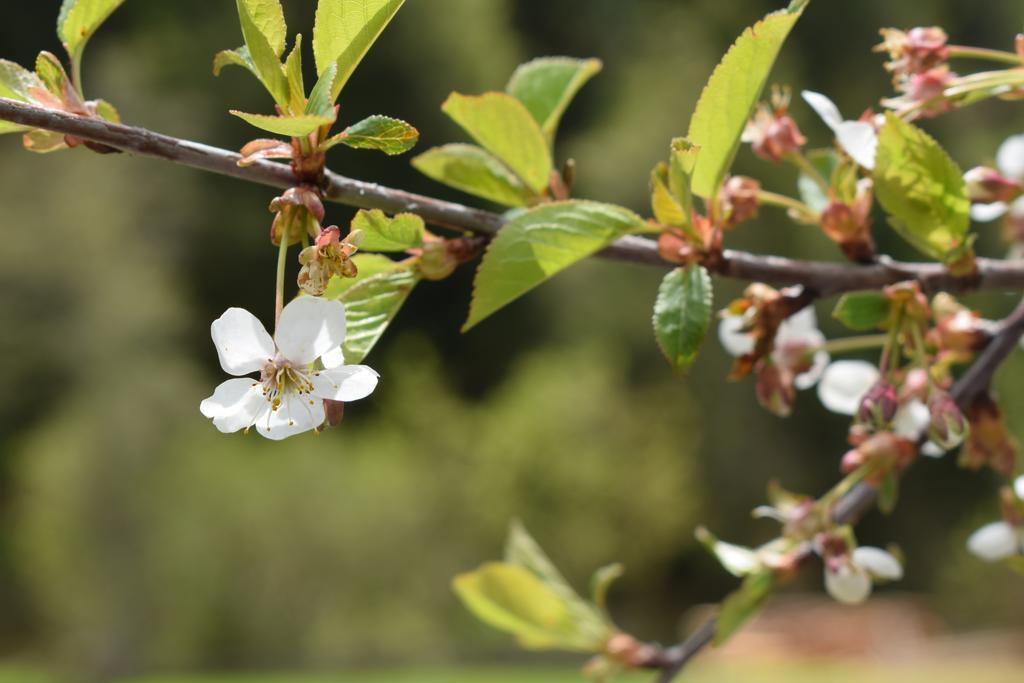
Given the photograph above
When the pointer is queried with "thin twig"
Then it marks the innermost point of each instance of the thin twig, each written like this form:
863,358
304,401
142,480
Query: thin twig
825,278
858,502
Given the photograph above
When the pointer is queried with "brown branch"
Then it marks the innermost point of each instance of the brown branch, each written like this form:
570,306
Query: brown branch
858,502
824,278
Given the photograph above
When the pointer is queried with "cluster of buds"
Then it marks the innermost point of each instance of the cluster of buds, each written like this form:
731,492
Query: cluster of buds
772,133
918,65
848,224
329,256
298,214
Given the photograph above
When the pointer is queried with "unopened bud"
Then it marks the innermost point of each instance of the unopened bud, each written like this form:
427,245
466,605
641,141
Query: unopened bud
299,212
739,200
949,426
775,389
986,185
879,404
437,262
773,135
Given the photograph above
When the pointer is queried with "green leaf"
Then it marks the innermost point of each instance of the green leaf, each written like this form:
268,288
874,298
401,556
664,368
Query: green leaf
292,126
540,243
344,32
682,161
368,265
51,72
664,205
108,112
370,306
548,85
682,314
268,16
502,125
44,141
79,19
730,96
921,189
380,233
601,582
743,603
239,57
476,171
9,127
266,57
320,102
512,599
863,311
383,133
296,82
17,82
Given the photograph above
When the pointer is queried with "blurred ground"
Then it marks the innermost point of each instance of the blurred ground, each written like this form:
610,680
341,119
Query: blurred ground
134,538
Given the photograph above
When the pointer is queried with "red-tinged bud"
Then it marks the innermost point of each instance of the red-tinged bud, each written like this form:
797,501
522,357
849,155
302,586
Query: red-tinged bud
927,89
963,332
299,212
674,248
775,389
887,452
916,385
773,135
1018,44
626,649
852,460
989,443
949,426
879,404
739,200
849,225
914,51
986,185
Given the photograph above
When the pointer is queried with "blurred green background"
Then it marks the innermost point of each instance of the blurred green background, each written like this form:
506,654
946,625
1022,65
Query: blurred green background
135,539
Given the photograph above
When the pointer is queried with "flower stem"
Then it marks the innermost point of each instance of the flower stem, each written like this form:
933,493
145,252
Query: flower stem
869,341
808,169
800,211
282,263
968,52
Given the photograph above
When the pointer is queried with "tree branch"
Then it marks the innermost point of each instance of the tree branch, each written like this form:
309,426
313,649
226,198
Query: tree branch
824,278
858,502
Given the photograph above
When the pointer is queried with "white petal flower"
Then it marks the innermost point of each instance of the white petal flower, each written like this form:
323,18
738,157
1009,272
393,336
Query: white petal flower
985,213
1018,487
849,583
858,138
288,398
735,340
878,563
995,542
736,560
911,420
844,384
1010,157
932,450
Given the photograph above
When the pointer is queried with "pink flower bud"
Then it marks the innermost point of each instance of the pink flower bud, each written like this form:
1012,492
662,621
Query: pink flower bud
949,426
739,200
986,185
879,405
773,134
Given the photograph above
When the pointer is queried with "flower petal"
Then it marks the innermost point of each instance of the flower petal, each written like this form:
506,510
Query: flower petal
911,420
844,384
310,327
734,340
994,542
983,213
347,383
1010,157
860,141
735,559
825,108
297,413
932,450
878,563
1018,487
799,325
333,358
234,404
850,584
242,342
806,380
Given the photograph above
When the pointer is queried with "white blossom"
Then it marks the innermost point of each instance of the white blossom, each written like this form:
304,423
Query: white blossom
850,581
1010,163
844,383
288,397
1018,487
858,138
996,541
